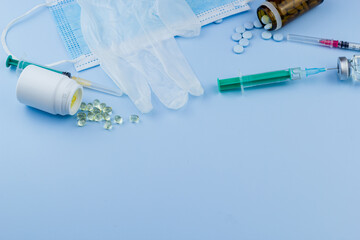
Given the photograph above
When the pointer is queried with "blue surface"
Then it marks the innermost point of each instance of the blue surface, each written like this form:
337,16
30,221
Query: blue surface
278,163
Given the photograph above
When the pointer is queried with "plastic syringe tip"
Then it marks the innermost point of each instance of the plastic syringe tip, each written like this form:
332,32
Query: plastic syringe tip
314,71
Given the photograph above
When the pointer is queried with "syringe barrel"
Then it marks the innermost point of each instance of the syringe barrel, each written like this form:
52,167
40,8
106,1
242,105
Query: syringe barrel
21,65
255,80
314,41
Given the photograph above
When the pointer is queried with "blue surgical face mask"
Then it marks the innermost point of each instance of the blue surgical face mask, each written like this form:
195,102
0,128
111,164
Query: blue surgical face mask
67,15
209,11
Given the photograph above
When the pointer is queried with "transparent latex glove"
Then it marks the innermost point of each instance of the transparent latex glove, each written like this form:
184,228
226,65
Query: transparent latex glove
137,55
161,21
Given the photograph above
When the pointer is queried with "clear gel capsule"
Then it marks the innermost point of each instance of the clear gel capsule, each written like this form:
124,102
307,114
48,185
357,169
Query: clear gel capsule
108,125
81,115
134,119
90,107
91,116
102,106
81,123
96,103
98,117
106,116
83,106
107,110
118,120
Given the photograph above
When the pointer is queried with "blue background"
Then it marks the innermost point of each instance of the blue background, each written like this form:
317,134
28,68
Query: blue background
278,163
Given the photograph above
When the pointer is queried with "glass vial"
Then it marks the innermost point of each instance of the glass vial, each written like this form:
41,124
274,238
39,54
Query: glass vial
281,12
349,68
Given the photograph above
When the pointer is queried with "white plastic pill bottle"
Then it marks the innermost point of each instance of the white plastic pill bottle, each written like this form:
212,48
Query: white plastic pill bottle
49,91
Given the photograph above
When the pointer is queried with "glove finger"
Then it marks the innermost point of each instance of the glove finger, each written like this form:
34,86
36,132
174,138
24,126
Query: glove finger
178,67
130,80
163,86
179,18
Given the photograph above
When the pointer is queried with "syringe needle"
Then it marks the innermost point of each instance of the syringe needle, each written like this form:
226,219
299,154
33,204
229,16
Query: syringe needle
328,69
97,87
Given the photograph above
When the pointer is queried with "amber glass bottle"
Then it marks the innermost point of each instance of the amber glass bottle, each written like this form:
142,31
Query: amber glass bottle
281,12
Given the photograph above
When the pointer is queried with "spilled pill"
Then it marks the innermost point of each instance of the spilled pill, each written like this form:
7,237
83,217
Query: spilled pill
265,19
249,26
278,37
236,37
244,42
240,29
247,35
268,26
266,35
257,24
238,49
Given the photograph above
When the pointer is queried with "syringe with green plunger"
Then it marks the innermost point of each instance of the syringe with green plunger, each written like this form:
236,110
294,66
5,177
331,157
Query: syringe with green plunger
85,83
267,78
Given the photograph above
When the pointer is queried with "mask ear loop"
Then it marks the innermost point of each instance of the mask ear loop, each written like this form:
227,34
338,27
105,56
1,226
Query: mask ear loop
15,21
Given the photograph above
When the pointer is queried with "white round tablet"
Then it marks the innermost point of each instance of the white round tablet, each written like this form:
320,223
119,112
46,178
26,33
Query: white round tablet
244,42
240,29
265,19
219,21
247,35
238,49
257,24
236,37
249,26
266,35
278,37
268,26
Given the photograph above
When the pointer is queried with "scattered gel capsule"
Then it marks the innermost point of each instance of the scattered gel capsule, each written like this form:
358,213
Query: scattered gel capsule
107,110
106,116
118,119
98,117
265,19
96,103
240,29
90,107
238,49
108,125
249,26
244,42
268,26
83,106
257,24
219,21
278,37
91,116
266,35
102,106
96,110
236,37
81,115
247,35
81,123
134,119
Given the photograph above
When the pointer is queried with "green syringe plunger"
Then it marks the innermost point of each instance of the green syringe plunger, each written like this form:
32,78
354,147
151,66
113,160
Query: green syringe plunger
267,78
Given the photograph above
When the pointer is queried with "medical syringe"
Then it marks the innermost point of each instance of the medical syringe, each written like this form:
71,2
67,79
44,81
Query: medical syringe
324,42
267,78
83,82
